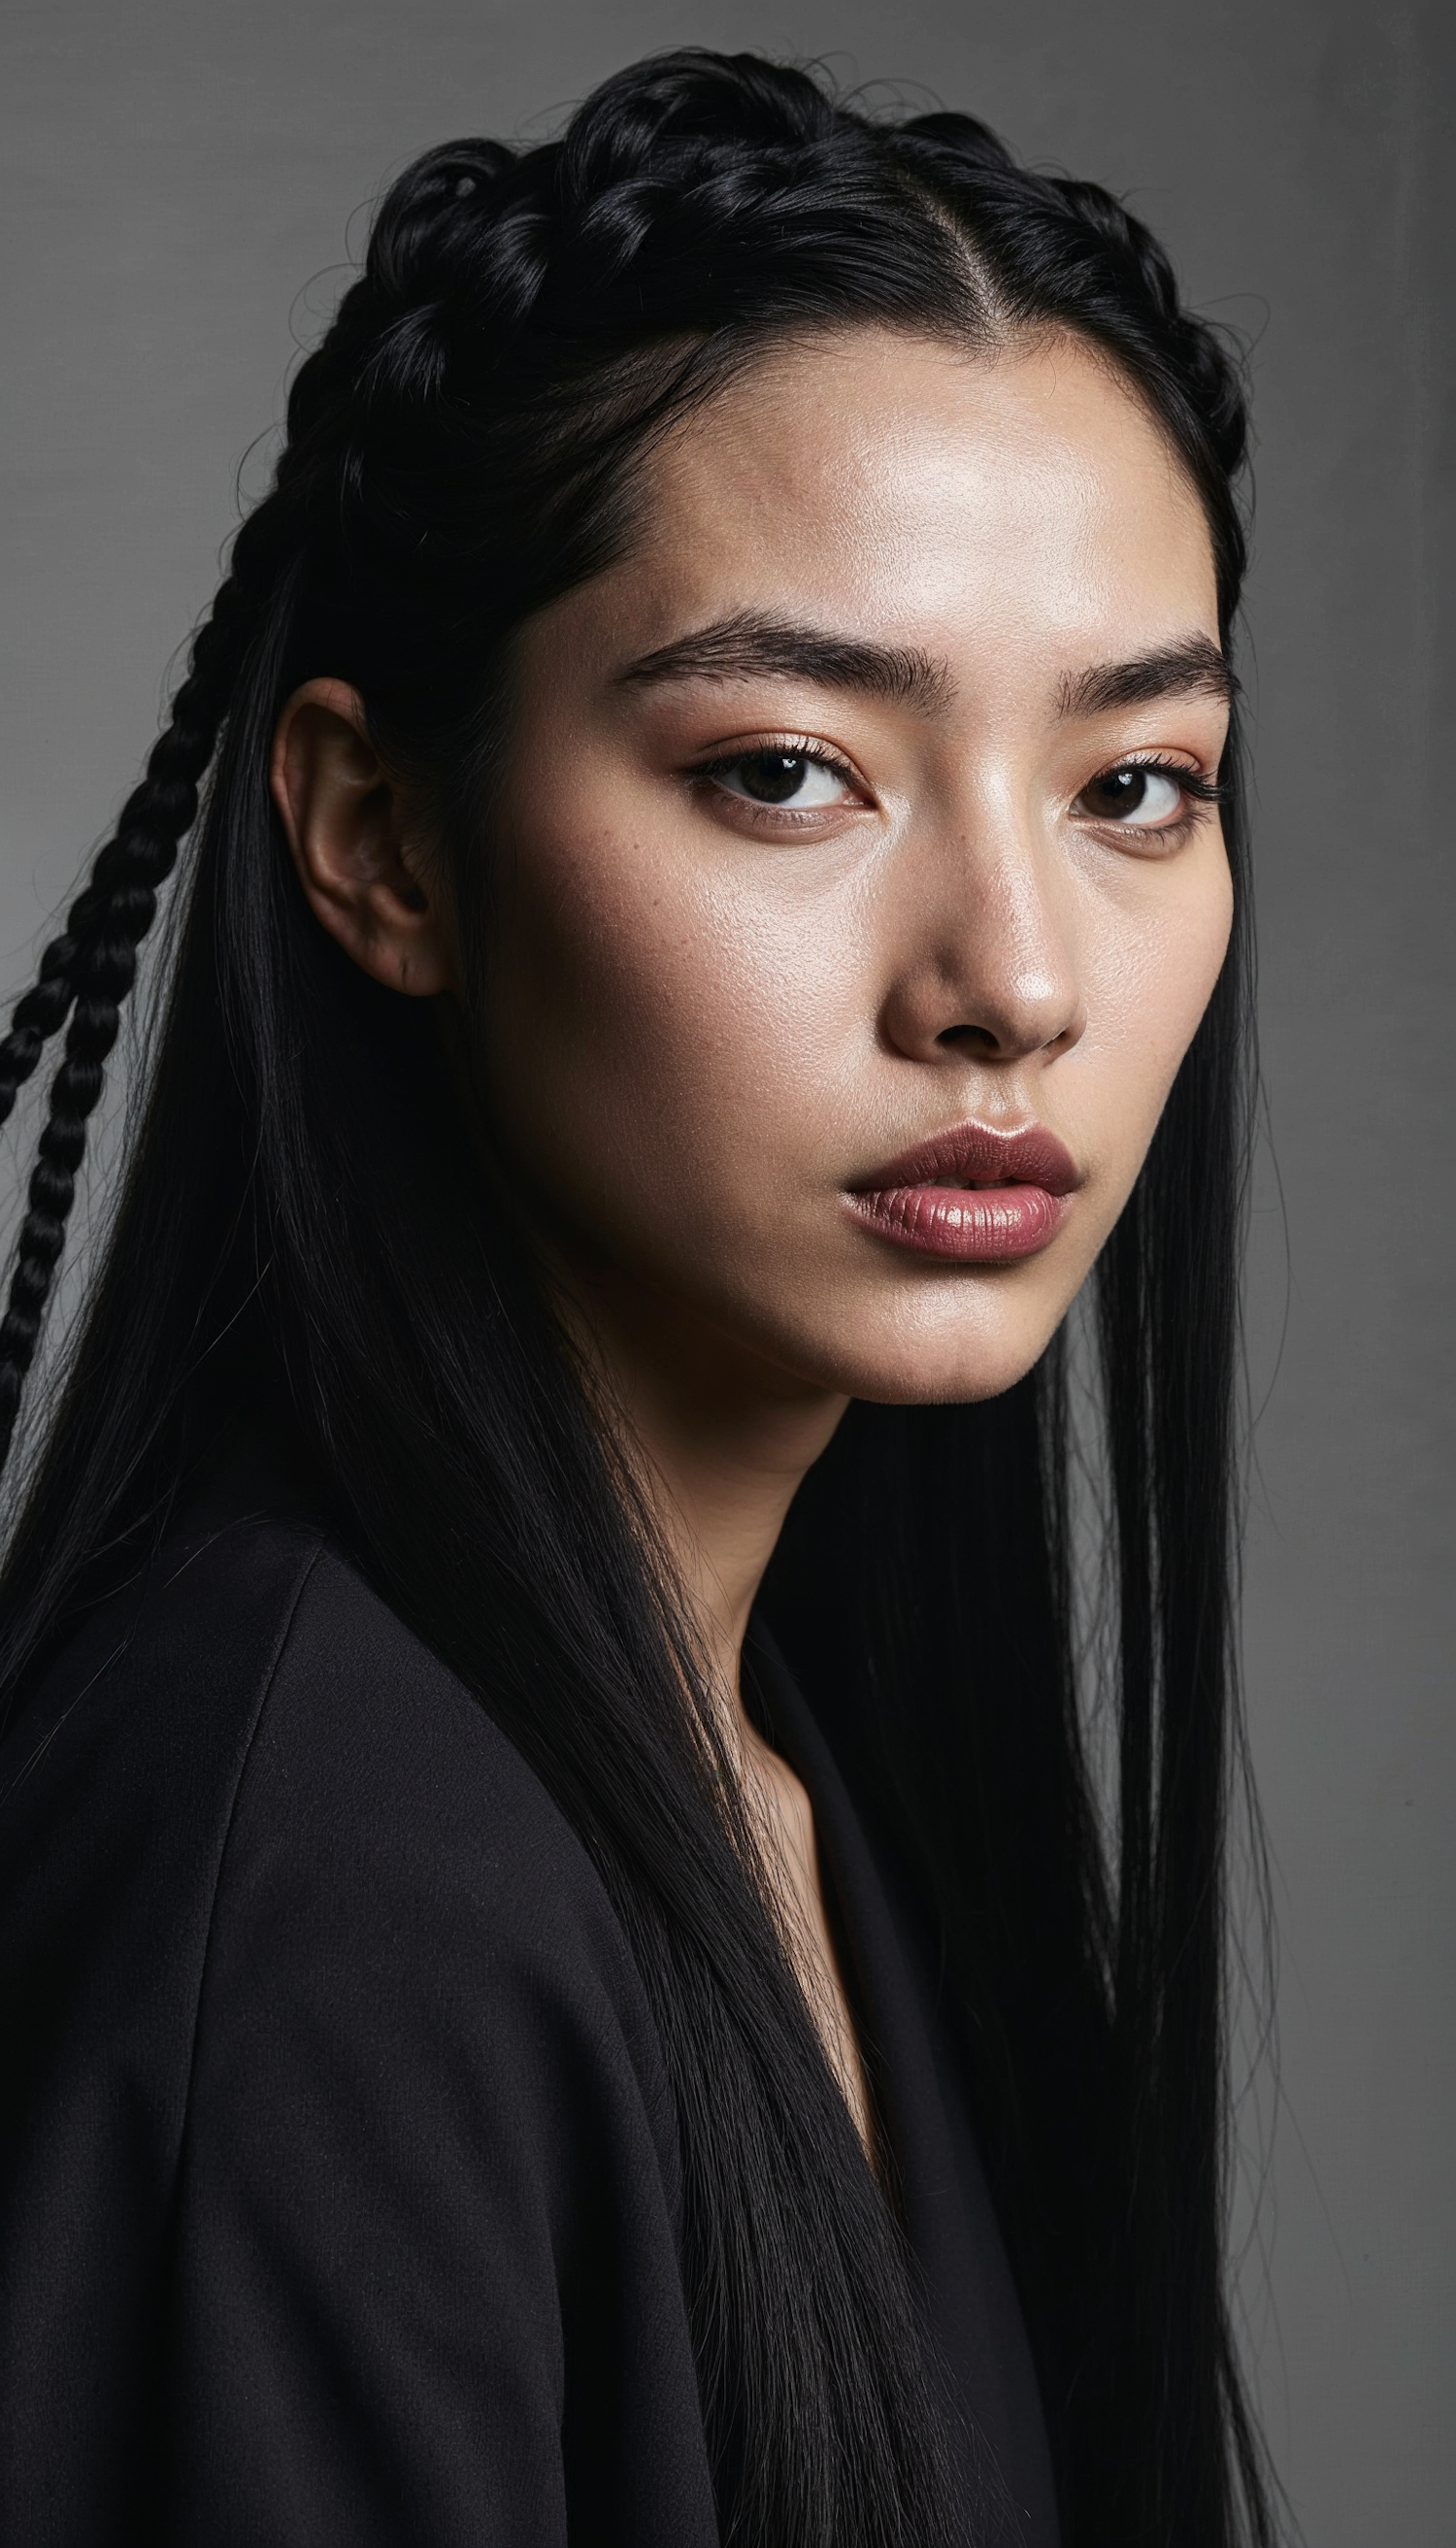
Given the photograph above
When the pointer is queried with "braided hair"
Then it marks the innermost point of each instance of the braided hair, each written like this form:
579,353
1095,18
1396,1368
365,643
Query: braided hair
467,441
85,974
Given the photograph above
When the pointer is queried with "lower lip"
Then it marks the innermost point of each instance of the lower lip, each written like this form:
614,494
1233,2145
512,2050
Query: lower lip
972,1225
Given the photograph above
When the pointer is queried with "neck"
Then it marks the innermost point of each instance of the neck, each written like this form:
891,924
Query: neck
722,1440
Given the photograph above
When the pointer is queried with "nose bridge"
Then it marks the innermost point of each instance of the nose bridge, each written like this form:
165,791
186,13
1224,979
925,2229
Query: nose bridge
996,963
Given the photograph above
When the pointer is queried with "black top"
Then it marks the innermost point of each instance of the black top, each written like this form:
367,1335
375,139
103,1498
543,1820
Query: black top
339,2163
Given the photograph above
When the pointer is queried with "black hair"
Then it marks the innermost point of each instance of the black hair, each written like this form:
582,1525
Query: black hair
300,1227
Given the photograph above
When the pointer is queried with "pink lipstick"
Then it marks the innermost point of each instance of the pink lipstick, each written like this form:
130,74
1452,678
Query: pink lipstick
981,1197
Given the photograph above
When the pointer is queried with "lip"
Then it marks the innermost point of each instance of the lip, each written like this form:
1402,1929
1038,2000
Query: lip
972,1195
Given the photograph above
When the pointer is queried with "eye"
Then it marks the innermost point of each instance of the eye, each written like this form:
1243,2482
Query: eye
799,781
1143,795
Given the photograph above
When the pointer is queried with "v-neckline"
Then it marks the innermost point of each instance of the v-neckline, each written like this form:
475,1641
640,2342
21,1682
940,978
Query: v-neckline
930,2169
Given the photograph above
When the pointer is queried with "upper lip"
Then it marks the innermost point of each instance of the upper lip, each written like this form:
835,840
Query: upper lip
972,1154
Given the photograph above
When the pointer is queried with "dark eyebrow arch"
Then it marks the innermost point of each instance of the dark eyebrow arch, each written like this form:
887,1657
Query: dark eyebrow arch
750,646
1196,665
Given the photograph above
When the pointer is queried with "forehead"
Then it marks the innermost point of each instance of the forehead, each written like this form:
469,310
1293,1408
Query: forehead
902,488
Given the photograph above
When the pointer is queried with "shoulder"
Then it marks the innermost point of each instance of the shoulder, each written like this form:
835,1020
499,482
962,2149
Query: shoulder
328,2063
369,1754
246,1776
389,1822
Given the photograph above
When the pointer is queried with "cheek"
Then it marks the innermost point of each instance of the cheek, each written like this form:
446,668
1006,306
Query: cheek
1151,960
650,1022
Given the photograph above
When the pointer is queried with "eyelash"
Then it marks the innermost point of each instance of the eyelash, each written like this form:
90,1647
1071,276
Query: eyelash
1209,791
1204,793
802,747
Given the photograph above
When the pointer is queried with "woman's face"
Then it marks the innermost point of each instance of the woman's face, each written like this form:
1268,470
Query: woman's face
855,903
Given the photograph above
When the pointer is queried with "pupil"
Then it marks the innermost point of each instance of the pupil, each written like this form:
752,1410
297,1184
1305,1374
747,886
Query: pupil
773,777
1122,790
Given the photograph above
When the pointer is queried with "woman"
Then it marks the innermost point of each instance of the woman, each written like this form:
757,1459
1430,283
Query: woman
566,1976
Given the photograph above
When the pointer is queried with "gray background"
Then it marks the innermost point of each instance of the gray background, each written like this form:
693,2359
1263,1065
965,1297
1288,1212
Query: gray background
178,180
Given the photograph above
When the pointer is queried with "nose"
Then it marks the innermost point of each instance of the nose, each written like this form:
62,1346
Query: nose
986,962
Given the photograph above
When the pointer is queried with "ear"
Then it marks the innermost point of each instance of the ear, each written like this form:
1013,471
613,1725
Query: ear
347,832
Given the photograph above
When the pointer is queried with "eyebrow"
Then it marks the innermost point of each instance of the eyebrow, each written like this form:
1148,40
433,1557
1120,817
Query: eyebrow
1194,664
749,646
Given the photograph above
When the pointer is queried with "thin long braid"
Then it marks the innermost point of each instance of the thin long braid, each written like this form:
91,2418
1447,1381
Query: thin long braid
90,966
44,1008
88,969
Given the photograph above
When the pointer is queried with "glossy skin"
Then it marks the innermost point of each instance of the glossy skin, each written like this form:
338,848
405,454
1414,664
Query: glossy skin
806,994
707,1019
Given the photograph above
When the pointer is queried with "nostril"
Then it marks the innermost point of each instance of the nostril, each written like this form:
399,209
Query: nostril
980,1036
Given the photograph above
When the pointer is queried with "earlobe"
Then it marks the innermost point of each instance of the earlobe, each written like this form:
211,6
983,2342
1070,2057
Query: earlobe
345,827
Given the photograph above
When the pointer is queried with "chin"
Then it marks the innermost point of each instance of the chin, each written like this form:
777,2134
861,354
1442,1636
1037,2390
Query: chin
910,1331
922,1363
945,1382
